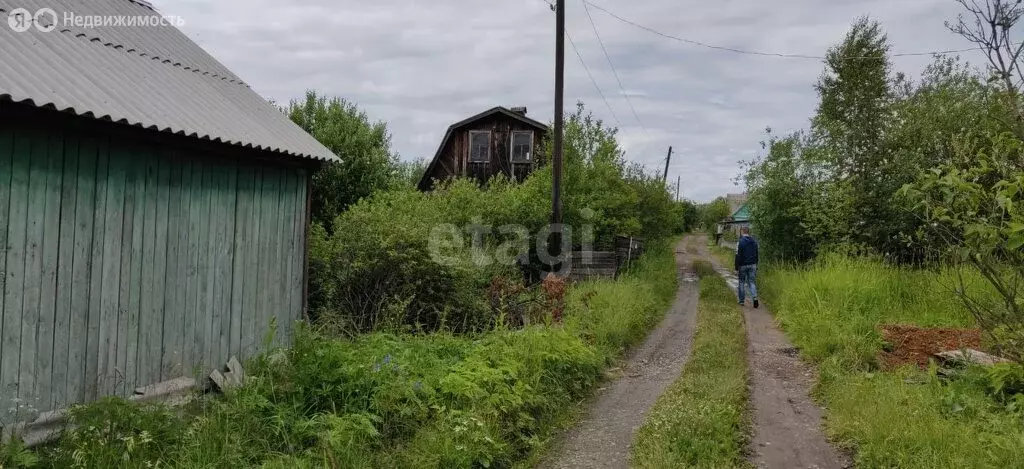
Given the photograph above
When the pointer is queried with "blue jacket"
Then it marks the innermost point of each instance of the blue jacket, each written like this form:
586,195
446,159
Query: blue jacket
746,252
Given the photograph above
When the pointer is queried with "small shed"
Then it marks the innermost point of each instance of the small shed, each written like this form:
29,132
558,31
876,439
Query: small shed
153,209
496,141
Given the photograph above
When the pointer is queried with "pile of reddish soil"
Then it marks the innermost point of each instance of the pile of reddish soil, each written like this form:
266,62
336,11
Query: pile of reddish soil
912,344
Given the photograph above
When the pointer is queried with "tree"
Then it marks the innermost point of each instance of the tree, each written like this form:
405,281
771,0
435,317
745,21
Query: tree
976,206
990,27
856,95
367,162
409,173
974,201
780,198
689,214
714,212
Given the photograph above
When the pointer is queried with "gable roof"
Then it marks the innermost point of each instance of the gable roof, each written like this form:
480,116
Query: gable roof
425,180
742,213
148,76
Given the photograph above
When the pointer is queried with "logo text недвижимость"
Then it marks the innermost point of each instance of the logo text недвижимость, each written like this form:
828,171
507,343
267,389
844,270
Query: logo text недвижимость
46,20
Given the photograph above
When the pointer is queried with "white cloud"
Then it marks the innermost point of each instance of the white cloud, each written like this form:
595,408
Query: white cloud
422,65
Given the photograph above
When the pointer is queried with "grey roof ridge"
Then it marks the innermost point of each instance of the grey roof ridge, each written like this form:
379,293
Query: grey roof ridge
142,54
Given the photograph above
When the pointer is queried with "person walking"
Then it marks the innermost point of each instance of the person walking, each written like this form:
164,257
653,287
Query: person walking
746,265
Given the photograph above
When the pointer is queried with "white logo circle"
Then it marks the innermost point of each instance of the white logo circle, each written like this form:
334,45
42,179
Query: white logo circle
19,19
45,26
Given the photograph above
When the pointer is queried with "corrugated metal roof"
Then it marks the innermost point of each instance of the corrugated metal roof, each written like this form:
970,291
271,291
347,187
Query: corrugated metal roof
148,76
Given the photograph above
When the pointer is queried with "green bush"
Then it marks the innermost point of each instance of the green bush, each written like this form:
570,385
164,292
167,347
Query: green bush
376,269
438,400
386,262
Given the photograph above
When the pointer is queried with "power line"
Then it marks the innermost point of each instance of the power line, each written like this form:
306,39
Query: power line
614,72
592,80
754,52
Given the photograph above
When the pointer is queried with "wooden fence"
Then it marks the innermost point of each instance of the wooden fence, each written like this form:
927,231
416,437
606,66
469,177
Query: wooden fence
588,265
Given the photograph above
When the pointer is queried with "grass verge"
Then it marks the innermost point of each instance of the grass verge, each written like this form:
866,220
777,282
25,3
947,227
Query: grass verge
385,400
701,420
726,256
906,418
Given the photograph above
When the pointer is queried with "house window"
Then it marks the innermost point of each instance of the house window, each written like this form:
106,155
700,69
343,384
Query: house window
479,146
522,147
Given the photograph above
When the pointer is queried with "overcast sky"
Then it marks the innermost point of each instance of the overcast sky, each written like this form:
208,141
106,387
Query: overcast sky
422,65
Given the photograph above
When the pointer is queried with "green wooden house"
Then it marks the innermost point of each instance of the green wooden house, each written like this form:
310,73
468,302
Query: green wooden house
153,210
741,215
739,219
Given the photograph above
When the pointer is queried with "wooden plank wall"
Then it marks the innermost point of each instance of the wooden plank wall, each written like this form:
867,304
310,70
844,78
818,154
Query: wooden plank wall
587,265
125,264
453,159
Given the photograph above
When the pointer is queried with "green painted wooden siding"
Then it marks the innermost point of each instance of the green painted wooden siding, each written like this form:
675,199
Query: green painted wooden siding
742,213
125,264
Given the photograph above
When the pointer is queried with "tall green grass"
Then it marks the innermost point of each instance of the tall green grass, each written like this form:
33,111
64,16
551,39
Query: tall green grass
615,315
832,307
383,400
908,418
700,421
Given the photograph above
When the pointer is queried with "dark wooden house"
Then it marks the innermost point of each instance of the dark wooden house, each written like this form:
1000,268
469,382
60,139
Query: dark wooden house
496,141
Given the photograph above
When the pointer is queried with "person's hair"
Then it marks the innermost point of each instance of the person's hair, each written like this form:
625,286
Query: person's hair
745,230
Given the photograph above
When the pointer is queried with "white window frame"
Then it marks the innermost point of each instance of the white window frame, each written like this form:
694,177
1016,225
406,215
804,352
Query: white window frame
512,147
487,157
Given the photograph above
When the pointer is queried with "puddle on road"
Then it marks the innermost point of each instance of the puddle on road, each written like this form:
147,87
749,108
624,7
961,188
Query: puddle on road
730,277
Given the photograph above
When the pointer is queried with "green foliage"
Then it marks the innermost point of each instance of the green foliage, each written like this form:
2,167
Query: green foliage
386,400
908,418
14,455
700,420
689,212
779,187
873,132
410,172
117,433
832,307
377,266
612,315
976,205
713,213
1006,382
367,162
916,420
602,188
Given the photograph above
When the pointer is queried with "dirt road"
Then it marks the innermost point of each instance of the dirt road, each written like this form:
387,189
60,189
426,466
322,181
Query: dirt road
788,429
603,438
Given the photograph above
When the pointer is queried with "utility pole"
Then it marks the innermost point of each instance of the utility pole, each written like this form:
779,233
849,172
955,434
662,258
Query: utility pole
556,160
668,159
678,179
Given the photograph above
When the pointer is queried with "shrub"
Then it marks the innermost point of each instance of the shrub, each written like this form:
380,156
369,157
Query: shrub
376,268
387,262
385,399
